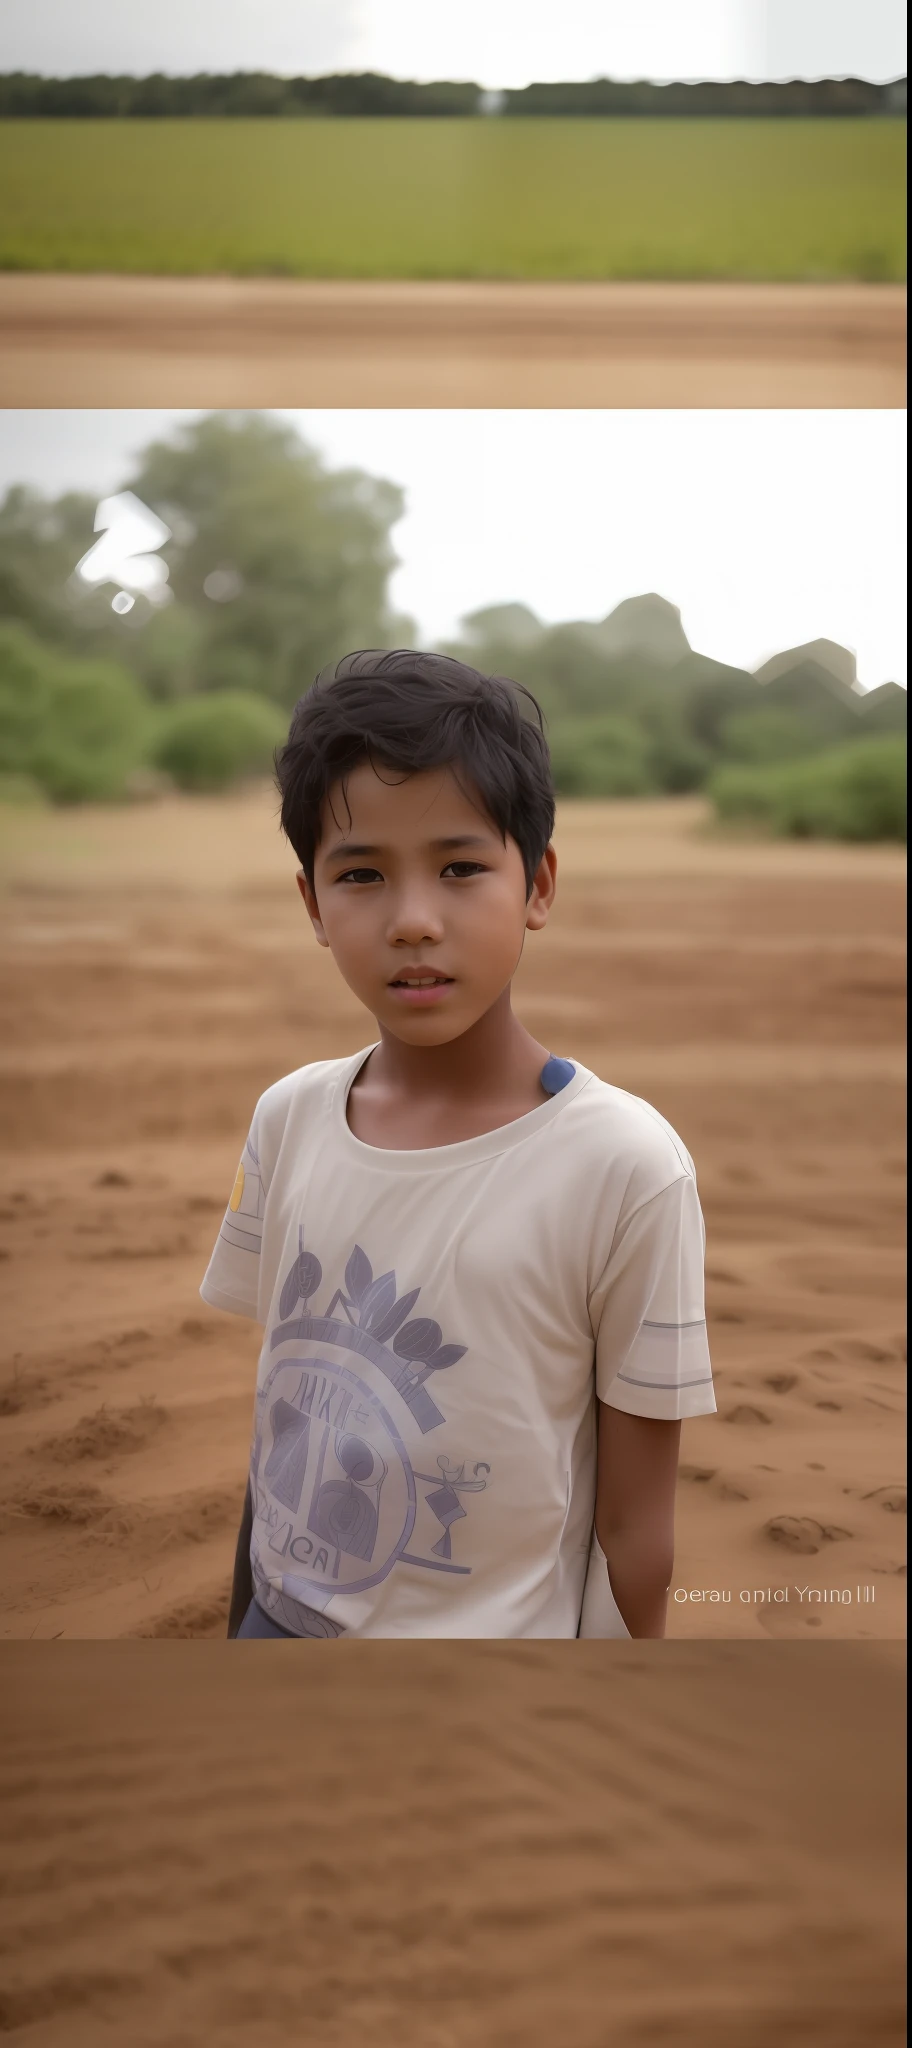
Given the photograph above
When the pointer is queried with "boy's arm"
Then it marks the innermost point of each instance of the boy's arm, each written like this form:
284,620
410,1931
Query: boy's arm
242,1584
634,1513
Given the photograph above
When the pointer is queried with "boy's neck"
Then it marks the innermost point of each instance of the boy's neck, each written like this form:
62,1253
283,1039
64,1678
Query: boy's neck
442,1093
481,1061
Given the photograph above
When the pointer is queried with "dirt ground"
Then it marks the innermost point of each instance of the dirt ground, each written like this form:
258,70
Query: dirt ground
510,1848
158,975
88,341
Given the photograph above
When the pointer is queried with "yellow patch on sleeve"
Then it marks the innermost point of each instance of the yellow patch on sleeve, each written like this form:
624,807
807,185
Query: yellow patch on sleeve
237,1190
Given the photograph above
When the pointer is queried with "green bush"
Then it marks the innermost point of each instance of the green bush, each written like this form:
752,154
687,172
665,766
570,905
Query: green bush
677,763
96,736
856,792
208,742
765,736
76,729
27,673
602,756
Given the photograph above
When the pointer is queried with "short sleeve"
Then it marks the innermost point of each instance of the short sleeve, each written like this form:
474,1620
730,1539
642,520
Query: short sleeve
648,1311
232,1277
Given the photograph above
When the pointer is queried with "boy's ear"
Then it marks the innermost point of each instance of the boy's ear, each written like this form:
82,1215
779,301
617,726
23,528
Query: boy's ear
311,906
543,890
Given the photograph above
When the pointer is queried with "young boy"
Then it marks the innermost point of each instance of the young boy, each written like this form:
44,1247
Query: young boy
453,1240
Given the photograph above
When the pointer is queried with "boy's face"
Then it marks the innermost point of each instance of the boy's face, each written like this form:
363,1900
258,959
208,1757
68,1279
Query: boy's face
417,887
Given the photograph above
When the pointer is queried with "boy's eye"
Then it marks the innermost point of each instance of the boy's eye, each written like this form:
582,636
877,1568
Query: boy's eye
461,868
360,875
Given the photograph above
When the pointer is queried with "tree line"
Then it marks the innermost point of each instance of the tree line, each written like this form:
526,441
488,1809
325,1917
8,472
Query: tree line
25,95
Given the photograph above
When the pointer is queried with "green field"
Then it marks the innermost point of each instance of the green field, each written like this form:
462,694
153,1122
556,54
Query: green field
762,199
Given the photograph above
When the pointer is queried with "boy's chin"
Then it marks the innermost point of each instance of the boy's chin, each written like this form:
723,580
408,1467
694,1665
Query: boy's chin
426,1030
429,1027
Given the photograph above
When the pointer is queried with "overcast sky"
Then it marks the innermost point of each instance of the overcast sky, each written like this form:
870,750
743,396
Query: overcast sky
496,42
767,529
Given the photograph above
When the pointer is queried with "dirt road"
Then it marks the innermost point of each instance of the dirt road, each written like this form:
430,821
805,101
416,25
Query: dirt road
157,976
442,1846
88,341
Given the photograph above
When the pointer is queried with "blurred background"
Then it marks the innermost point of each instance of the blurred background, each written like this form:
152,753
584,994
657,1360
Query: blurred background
710,611
368,204
700,604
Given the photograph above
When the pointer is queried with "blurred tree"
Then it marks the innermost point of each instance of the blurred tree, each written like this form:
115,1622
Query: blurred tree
167,653
769,733
278,563
601,756
286,561
41,540
563,666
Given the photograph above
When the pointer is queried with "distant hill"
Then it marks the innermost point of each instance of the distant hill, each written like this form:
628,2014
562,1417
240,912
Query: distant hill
836,664
647,626
637,664
645,634
513,625
820,680
885,709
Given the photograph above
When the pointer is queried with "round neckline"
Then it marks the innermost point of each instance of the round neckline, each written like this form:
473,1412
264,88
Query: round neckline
465,1151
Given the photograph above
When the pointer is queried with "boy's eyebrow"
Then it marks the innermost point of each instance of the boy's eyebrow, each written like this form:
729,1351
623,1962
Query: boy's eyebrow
348,848
461,839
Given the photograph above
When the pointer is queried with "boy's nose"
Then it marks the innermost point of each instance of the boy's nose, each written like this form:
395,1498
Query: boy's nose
414,920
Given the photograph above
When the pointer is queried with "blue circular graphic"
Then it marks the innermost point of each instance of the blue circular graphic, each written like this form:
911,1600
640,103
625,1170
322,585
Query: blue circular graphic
335,1491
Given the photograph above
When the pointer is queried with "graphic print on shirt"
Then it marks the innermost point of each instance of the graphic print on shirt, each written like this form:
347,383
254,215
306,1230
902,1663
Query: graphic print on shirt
336,1495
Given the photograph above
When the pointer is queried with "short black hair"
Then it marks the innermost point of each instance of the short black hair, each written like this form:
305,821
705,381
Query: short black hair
411,712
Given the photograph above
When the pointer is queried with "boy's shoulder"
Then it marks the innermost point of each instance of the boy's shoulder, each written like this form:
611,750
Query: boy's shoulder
306,1089
316,1078
625,1133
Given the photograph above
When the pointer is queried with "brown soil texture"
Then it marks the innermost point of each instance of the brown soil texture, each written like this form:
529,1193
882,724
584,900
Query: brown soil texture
149,341
510,1845
159,973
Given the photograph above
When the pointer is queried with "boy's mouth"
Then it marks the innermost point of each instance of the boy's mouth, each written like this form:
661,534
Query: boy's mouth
420,989
420,980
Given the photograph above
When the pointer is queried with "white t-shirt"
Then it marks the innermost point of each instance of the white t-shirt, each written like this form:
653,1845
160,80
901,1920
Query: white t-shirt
436,1326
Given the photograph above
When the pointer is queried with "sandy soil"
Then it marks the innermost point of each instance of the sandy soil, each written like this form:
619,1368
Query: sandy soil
68,341
513,1848
158,976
